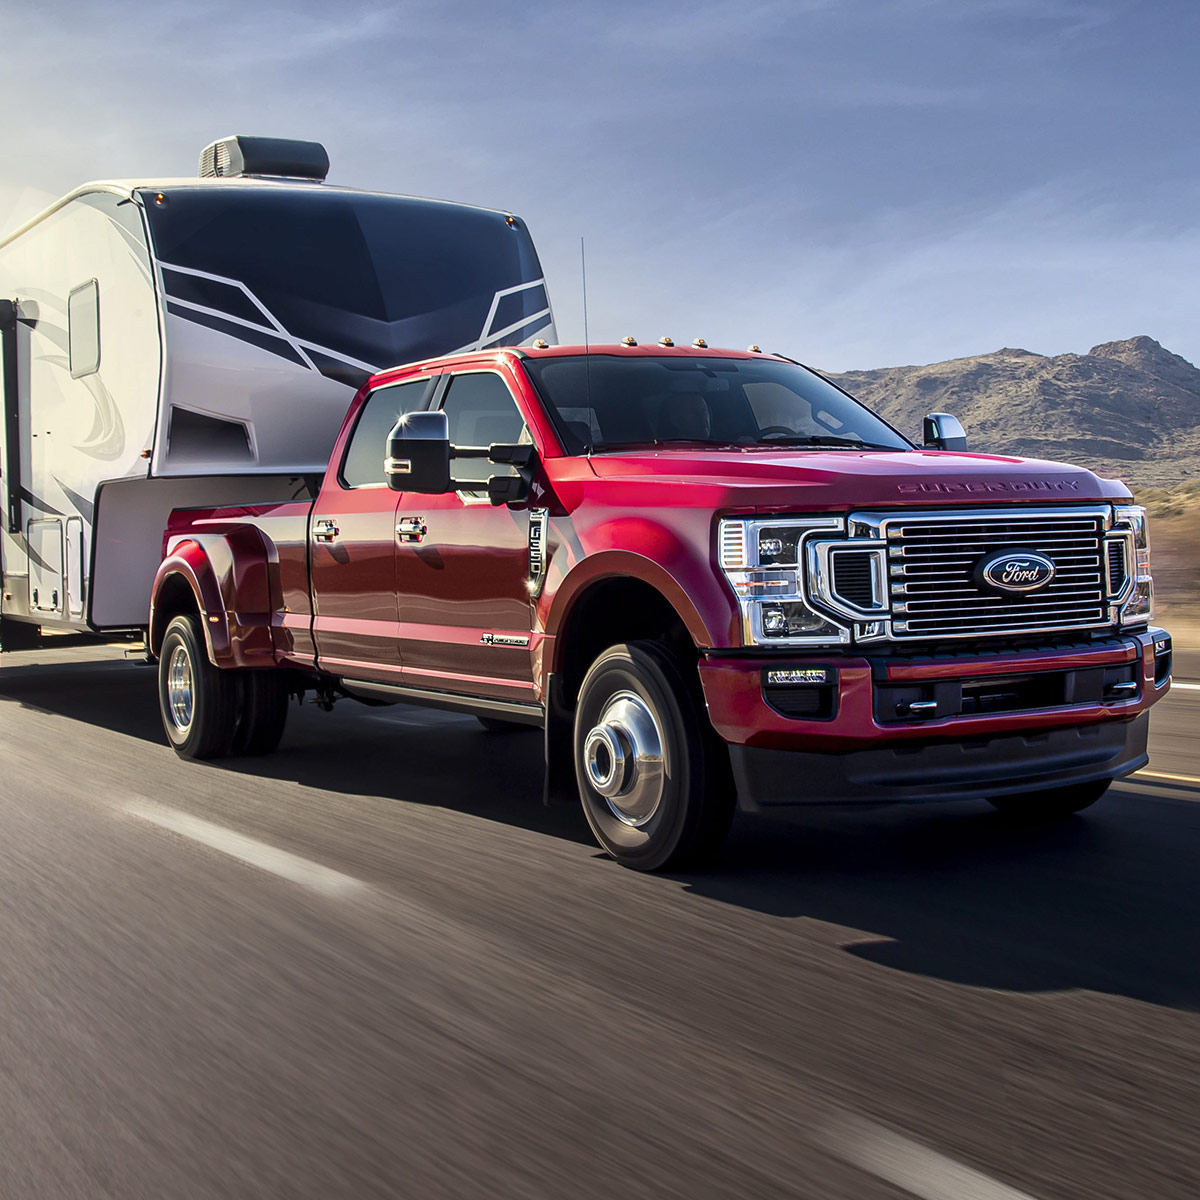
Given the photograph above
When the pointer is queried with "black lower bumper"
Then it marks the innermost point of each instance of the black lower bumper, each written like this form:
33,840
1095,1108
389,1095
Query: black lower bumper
921,772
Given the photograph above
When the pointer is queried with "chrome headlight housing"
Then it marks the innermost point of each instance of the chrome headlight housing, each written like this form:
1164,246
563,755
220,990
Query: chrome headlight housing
764,561
1138,607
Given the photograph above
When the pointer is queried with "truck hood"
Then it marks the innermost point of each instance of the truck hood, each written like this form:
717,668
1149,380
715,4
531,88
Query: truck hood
817,480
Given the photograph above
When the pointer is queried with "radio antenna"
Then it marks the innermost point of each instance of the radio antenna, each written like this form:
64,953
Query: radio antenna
587,358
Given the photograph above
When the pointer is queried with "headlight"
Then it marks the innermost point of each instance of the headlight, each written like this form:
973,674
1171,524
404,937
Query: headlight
763,559
1138,608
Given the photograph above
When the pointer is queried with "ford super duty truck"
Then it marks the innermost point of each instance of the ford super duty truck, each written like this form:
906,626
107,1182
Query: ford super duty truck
713,578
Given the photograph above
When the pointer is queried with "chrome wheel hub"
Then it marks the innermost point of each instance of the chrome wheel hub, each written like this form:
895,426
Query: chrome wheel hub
623,758
180,693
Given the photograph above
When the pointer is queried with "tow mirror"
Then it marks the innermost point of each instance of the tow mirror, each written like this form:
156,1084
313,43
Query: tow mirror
418,454
944,432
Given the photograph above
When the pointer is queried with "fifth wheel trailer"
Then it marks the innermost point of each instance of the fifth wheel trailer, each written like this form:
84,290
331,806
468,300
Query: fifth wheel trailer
176,342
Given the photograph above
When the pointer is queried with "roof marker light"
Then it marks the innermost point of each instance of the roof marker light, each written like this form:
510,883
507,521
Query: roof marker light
540,344
753,350
628,341
700,344
665,341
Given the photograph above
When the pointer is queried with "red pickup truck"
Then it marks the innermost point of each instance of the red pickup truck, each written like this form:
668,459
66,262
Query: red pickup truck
712,577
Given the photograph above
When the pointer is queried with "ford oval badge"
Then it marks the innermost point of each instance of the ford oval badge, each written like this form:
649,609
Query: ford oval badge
1015,572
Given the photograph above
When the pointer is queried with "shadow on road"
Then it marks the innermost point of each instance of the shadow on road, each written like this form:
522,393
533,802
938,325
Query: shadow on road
415,755
1107,901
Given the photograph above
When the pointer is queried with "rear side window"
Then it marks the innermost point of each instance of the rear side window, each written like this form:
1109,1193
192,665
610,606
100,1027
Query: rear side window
363,464
83,328
481,410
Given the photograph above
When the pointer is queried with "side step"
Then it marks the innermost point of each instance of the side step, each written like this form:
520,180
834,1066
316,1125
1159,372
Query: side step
476,706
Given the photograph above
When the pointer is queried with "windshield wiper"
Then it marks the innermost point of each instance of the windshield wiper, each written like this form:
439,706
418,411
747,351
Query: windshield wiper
822,439
655,443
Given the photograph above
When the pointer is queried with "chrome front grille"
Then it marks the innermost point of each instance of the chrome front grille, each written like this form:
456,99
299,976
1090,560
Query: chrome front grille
932,564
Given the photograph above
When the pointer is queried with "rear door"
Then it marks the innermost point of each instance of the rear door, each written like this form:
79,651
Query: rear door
463,571
352,537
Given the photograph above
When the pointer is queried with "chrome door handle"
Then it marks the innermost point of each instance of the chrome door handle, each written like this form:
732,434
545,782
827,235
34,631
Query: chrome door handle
325,530
411,529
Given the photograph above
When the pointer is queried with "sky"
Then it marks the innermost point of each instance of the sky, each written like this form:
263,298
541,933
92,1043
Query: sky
854,183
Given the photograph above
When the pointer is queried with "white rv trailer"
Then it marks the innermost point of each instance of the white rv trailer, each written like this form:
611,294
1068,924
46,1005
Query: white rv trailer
197,341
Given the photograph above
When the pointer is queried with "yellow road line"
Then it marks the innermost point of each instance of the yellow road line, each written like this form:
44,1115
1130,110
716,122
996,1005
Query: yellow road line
1161,775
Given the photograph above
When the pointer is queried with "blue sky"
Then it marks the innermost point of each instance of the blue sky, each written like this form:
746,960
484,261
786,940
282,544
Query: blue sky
856,183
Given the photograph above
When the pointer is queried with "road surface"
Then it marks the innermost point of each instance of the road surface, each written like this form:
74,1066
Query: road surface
373,965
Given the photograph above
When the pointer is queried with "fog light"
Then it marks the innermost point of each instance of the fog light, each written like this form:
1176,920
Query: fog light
774,621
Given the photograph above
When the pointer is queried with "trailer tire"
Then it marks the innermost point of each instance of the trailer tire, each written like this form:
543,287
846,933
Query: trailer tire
264,712
198,701
1053,804
653,776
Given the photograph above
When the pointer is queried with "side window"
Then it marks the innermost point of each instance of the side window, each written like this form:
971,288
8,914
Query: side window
480,410
83,329
363,463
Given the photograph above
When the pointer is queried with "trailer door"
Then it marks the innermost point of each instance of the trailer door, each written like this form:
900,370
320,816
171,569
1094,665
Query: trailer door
45,540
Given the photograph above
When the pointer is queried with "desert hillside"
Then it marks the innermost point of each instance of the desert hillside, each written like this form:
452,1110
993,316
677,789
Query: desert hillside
1129,409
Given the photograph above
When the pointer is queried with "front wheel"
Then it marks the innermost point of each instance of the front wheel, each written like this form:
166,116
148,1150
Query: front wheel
198,702
1053,804
653,777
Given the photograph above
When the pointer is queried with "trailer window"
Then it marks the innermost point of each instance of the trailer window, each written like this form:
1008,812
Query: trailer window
363,464
83,329
369,279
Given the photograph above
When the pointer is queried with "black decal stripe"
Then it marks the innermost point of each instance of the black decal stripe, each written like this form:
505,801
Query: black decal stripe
38,560
85,508
272,343
34,502
519,335
211,294
339,370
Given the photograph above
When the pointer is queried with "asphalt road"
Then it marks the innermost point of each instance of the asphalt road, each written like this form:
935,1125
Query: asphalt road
374,965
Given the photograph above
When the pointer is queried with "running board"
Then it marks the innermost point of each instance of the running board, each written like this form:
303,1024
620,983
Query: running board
477,706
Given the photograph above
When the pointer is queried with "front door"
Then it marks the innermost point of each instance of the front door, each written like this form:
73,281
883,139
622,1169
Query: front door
352,539
463,568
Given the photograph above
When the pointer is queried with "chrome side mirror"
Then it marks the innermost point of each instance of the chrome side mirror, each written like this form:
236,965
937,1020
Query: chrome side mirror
418,454
944,432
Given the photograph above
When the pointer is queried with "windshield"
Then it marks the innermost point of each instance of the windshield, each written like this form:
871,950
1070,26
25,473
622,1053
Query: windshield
378,280
621,403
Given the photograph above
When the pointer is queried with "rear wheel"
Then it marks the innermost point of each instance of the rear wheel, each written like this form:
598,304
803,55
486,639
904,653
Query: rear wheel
653,776
264,711
1052,804
198,702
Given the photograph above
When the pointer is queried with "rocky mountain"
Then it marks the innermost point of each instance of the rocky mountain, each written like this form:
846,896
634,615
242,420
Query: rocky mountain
1129,409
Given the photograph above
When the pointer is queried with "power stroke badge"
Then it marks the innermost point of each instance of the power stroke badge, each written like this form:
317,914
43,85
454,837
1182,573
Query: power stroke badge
1015,572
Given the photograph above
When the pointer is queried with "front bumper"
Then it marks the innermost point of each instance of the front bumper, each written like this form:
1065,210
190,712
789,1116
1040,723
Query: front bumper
1065,715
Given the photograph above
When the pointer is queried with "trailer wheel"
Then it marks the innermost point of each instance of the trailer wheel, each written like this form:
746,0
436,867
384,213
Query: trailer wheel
653,776
1053,804
264,712
198,702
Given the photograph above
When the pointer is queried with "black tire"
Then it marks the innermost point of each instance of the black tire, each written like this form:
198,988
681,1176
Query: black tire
198,702
633,697
264,711
1052,804
496,725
